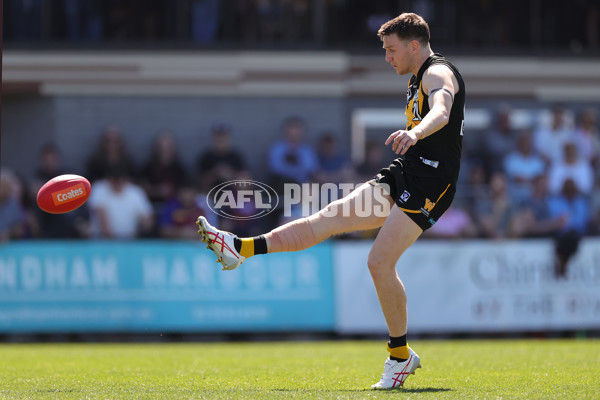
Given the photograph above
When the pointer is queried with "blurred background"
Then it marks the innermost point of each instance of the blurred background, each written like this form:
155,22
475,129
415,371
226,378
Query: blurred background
157,101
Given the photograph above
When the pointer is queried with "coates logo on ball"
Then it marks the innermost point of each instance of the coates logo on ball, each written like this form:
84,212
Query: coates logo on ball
63,194
69,194
242,199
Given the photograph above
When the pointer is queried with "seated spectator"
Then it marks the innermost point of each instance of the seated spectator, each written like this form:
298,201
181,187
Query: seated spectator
334,166
72,225
533,218
587,136
500,140
177,217
475,188
163,173
495,211
571,166
521,166
26,199
594,225
205,20
290,159
220,163
120,209
12,219
455,223
110,152
241,220
572,206
374,161
49,164
548,141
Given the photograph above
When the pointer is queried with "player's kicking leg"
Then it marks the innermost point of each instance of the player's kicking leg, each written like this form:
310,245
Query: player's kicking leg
338,217
396,235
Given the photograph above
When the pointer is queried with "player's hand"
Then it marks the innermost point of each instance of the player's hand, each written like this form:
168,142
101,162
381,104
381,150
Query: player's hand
402,141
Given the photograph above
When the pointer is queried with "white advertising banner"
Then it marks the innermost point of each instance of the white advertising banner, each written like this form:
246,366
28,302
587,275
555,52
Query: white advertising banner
473,286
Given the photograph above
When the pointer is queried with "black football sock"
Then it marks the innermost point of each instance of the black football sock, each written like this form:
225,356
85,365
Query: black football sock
398,348
249,247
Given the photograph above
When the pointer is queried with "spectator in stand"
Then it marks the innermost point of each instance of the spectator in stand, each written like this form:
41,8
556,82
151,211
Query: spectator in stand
548,141
500,140
163,173
110,152
455,223
574,207
71,225
177,218
587,136
26,199
26,19
534,218
571,166
240,220
496,210
290,159
12,218
220,163
521,166
474,190
375,158
82,19
120,209
49,164
594,225
334,166
205,20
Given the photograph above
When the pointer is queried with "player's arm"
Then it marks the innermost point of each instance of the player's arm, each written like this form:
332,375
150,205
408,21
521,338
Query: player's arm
441,86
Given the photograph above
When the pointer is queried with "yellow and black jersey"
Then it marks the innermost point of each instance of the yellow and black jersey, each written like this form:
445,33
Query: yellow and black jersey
437,155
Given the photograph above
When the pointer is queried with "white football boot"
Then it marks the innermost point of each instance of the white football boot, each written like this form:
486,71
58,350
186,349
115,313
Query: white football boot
395,373
221,243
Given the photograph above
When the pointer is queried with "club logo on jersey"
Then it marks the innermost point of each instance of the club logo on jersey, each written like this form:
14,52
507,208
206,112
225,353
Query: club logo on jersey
405,196
427,207
413,107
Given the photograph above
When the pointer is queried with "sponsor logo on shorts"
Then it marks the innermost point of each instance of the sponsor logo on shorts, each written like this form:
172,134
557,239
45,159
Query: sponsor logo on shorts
431,163
405,196
69,194
426,209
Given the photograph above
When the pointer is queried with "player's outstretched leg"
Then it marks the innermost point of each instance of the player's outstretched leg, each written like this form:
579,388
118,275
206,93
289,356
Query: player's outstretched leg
343,215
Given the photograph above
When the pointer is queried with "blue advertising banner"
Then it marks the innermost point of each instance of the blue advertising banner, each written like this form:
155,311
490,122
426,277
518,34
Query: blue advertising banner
154,286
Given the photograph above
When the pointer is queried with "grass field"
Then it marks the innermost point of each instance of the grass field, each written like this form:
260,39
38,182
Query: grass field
519,369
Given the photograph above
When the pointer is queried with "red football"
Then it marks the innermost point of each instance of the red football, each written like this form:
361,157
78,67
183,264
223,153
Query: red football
63,194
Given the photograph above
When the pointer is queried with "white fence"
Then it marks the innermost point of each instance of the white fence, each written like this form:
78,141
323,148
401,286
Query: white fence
473,286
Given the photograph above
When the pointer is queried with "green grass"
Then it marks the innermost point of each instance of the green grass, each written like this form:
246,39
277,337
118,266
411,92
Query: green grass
523,369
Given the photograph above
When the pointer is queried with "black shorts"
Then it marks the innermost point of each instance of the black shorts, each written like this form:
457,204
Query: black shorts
423,199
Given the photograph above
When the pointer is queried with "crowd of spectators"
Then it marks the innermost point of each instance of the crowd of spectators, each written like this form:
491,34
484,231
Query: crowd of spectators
540,182
473,24
536,182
